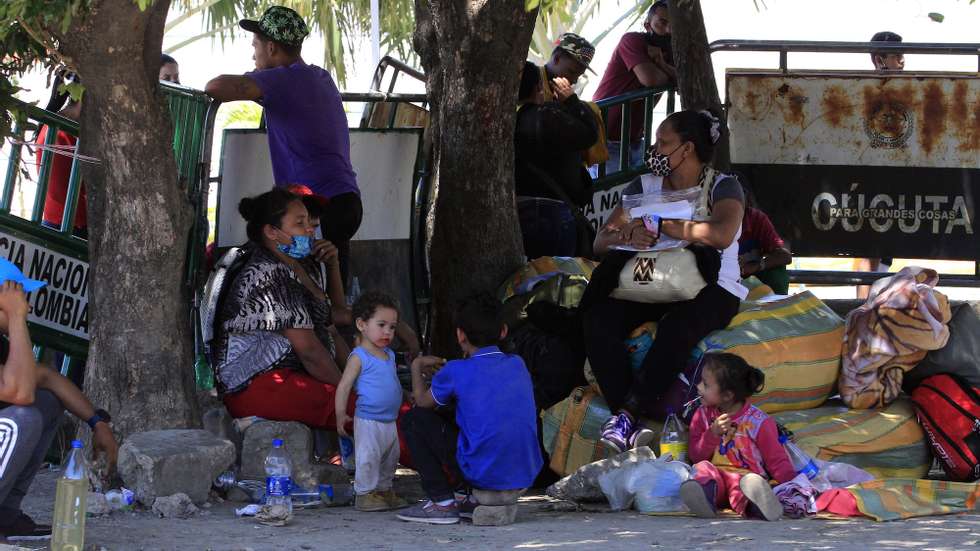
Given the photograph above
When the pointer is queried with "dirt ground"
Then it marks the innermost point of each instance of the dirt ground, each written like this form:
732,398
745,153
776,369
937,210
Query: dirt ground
542,524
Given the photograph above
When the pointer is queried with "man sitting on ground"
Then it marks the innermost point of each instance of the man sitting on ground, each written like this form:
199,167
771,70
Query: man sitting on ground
641,60
496,422
32,399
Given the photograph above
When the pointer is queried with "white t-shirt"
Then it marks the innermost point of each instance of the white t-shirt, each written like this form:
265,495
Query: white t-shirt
724,187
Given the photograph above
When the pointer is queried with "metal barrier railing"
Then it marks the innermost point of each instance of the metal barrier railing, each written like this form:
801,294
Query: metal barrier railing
626,102
784,48
192,135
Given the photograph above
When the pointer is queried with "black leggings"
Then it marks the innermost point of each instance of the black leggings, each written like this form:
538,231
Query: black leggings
680,326
431,438
339,223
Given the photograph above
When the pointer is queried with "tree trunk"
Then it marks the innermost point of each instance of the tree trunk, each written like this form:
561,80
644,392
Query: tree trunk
472,52
140,354
695,73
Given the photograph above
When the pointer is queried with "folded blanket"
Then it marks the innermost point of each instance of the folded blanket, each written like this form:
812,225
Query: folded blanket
903,318
902,498
797,497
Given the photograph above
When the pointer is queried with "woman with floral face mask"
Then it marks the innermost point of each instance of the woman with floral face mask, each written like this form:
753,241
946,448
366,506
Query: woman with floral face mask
274,350
678,161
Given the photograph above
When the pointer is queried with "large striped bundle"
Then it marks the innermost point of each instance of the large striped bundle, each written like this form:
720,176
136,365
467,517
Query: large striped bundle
794,341
902,498
885,442
542,268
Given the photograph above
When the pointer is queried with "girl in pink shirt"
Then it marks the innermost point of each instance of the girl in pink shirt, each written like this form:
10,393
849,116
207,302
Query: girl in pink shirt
734,445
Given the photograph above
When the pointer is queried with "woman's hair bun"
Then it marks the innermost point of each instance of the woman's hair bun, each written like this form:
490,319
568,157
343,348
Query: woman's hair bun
246,207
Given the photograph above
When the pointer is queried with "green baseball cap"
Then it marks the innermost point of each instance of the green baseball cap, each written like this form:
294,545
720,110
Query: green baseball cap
279,23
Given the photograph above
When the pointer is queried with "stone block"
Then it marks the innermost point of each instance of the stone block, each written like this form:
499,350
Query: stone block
583,484
298,442
175,506
220,423
167,462
494,515
497,497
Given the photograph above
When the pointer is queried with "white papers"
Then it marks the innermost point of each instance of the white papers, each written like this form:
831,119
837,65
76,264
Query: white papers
677,210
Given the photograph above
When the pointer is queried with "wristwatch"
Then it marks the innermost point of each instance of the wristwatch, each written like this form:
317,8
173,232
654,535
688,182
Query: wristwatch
100,415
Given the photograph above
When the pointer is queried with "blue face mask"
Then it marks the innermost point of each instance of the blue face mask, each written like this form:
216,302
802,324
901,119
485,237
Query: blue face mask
299,248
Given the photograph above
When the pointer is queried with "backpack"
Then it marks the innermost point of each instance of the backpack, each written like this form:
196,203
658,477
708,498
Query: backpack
215,294
948,409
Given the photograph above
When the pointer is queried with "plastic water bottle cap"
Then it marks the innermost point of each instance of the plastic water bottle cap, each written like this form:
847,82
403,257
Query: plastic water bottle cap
76,444
277,443
783,439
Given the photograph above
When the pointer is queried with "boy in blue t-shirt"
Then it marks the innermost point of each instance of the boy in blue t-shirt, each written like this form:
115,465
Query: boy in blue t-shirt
493,444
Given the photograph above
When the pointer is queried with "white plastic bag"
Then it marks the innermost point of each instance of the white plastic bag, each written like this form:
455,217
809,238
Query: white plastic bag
652,486
656,486
613,485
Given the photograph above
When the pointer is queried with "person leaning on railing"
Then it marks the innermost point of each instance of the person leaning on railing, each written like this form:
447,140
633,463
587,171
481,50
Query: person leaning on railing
640,60
309,139
678,161
59,172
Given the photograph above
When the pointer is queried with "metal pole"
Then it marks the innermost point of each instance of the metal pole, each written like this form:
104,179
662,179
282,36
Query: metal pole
375,33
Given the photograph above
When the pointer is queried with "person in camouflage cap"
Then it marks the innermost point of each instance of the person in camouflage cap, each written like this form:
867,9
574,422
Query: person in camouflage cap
309,140
279,24
570,58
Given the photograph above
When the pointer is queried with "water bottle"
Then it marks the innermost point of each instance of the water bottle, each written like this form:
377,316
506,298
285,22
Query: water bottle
802,462
69,503
673,439
347,454
120,499
278,477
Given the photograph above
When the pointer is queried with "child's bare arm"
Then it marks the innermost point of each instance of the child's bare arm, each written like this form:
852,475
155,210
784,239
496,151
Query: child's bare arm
420,390
350,375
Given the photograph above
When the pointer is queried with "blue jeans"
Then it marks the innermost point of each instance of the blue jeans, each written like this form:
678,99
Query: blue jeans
637,158
548,227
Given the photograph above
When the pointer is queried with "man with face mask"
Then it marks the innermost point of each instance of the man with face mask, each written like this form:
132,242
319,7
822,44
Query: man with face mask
309,140
641,60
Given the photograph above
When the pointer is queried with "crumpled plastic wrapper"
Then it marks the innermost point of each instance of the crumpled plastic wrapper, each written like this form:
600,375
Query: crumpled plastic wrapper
274,515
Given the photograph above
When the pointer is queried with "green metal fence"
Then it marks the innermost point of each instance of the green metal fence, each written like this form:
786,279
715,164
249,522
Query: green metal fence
627,102
193,120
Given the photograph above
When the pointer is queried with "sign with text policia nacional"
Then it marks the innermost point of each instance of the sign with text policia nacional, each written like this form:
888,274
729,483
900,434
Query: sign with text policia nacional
862,163
62,304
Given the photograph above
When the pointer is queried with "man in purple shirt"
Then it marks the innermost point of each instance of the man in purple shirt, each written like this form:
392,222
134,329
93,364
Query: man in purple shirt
308,137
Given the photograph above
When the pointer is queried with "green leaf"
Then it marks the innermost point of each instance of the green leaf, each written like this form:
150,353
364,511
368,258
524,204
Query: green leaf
937,17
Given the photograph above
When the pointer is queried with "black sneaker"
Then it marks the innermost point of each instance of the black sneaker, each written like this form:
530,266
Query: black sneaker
23,528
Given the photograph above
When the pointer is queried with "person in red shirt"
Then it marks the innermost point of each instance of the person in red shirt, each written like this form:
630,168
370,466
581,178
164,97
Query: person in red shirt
641,60
762,252
60,171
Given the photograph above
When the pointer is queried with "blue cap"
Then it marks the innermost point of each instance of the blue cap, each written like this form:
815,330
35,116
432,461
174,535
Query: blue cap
76,444
10,272
276,443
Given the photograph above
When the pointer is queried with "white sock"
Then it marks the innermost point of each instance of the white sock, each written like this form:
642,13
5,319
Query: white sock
445,502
